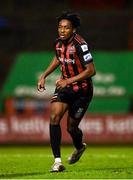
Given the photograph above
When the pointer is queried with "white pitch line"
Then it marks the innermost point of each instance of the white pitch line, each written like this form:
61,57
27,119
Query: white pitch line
24,155
19,155
110,155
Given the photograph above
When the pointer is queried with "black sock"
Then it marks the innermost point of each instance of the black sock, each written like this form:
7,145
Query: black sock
55,139
77,138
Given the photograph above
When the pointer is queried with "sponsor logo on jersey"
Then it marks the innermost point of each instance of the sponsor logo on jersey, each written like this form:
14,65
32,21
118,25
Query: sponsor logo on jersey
87,57
84,48
68,61
60,49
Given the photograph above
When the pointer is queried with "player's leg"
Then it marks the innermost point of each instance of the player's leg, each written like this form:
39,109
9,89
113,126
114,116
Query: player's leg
76,135
57,111
75,132
76,113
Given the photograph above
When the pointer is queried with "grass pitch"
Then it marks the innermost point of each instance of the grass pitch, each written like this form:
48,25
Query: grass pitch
98,162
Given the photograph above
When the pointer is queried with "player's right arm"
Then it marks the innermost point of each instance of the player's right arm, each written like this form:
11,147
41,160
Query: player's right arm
53,65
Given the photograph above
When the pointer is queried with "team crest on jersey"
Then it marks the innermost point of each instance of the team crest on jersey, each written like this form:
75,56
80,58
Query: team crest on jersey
71,50
84,48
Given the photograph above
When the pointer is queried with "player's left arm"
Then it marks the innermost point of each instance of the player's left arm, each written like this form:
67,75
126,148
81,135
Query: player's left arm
87,61
87,73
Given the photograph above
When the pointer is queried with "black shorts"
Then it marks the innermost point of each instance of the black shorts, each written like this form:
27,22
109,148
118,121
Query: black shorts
78,102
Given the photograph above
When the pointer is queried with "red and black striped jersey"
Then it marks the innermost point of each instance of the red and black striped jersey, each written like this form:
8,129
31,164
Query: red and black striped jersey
73,57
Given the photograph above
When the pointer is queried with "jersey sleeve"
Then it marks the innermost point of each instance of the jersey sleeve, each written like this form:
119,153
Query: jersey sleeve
84,53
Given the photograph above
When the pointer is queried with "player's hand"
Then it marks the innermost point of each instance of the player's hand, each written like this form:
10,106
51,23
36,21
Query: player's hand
41,84
61,83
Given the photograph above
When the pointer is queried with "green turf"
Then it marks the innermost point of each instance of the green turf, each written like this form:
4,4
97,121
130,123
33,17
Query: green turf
34,162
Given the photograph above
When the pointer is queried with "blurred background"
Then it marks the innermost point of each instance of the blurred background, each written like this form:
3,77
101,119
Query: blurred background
28,29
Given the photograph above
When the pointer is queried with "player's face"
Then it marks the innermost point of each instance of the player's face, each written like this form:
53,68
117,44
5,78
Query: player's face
65,29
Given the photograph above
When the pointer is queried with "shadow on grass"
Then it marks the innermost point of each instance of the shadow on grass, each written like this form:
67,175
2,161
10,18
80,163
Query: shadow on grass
115,169
13,175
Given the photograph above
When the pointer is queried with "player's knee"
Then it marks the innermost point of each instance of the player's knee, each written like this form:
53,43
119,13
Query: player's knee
55,119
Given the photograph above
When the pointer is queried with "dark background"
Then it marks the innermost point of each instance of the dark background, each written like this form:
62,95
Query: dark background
30,25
